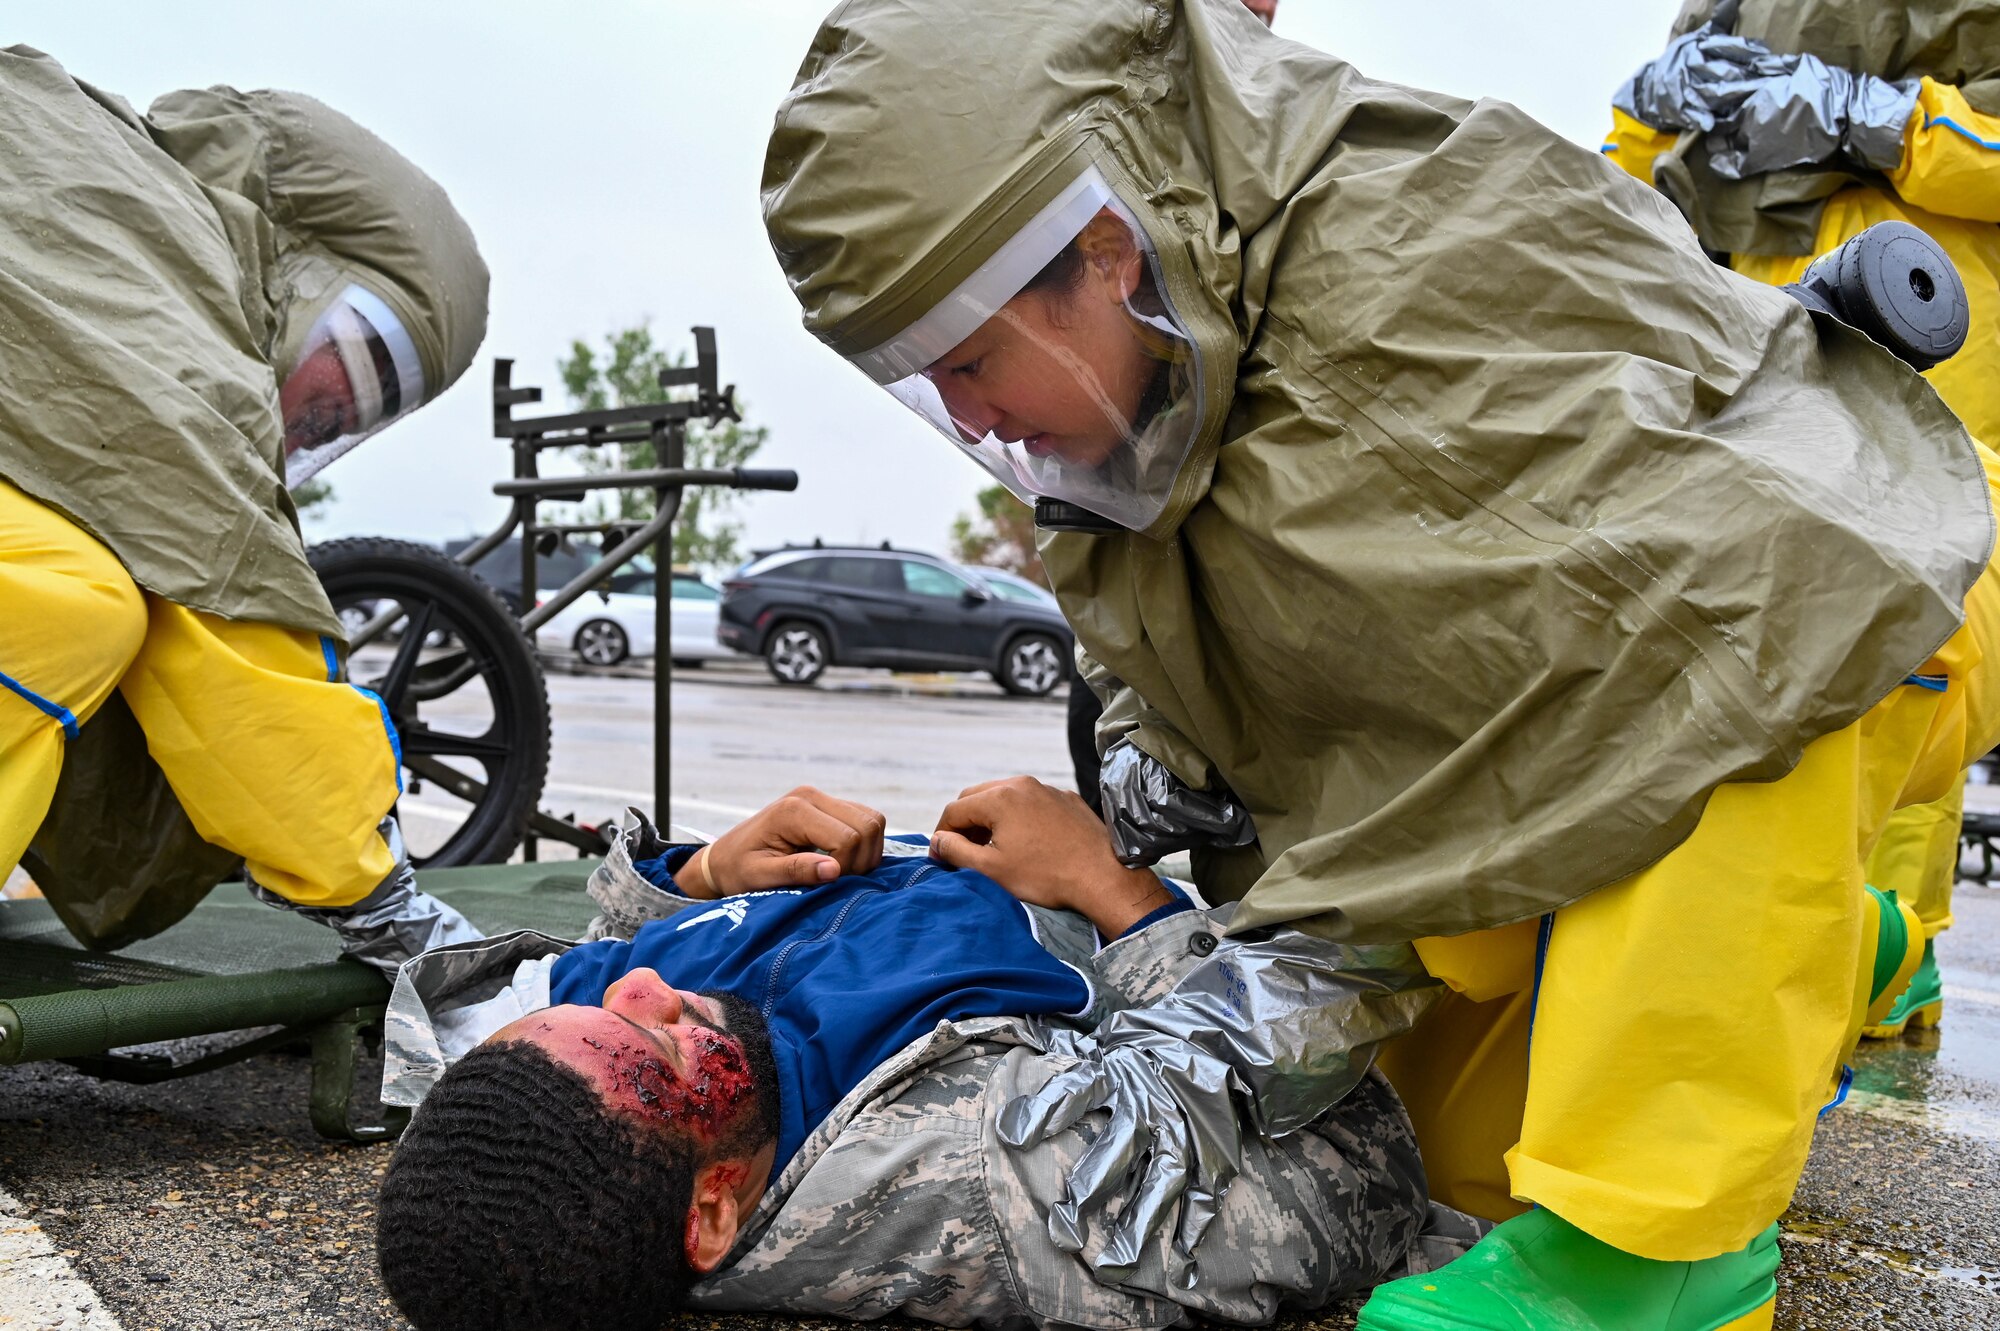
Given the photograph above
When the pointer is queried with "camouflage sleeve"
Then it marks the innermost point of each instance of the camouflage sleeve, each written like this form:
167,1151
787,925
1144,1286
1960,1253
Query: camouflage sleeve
1143,967
625,899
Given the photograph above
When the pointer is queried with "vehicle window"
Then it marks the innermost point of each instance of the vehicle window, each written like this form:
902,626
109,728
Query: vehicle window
873,575
635,584
930,580
502,567
807,570
693,589
1008,591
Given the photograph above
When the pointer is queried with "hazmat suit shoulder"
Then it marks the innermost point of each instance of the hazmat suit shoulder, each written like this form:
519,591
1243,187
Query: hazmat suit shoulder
138,397
1953,42
1516,526
159,271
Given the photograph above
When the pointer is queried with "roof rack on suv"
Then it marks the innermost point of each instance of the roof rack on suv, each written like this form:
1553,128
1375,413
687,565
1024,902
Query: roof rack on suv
819,543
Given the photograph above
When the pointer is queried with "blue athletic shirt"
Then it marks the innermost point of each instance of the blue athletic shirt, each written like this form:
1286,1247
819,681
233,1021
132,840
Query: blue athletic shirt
845,974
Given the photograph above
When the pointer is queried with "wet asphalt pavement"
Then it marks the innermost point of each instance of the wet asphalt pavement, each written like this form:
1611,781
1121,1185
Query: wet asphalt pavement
209,1203
1898,1220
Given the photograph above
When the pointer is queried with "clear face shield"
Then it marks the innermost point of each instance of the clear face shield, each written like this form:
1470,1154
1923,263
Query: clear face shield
358,371
1059,365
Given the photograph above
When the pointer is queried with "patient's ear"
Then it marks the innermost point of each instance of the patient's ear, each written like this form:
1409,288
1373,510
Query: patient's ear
714,1213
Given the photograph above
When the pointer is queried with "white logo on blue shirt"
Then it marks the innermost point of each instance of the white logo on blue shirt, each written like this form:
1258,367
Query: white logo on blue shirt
732,910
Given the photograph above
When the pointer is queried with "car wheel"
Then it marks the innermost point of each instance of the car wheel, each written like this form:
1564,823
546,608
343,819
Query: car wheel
602,643
796,654
355,617
1032,666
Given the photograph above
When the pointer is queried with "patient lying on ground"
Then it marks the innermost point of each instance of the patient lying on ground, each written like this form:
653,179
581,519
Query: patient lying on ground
782,1098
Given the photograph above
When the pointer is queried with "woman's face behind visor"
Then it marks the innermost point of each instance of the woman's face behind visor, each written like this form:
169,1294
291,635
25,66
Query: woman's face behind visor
1058,365
1061,369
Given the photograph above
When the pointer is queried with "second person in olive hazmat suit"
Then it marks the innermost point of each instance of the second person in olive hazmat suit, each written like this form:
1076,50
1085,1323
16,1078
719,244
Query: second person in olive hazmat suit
1565,611
1788,126
199,307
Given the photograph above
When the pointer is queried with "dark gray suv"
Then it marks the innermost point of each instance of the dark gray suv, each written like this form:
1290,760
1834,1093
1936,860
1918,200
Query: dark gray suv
805,608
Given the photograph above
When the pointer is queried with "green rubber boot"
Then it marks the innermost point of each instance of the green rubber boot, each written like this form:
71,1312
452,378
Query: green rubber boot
1920,1004
1899,951
1538,1272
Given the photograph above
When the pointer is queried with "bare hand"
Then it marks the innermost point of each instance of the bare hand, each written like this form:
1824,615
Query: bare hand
800,840
1046,847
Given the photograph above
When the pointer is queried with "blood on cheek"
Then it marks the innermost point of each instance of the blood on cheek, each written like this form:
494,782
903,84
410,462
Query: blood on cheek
717,1084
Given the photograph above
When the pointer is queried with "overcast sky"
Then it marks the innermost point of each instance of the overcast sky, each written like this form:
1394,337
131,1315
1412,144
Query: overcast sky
607,156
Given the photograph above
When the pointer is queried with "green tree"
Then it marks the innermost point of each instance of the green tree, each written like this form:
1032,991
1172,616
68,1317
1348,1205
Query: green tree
625,372
313,496
1002,536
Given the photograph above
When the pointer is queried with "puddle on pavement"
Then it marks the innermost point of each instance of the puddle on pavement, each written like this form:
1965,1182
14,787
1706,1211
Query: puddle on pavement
1944,1079
1835,1234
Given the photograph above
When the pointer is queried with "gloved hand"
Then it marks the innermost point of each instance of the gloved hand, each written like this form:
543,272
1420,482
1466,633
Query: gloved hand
1696,82
1263,1036
1796,110
1152,813
392,923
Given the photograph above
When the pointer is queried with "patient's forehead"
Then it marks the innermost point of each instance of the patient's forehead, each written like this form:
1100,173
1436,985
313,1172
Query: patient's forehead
686,1078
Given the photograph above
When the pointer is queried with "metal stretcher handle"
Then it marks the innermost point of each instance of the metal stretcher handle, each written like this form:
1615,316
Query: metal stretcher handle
566,487
79,1023
751,478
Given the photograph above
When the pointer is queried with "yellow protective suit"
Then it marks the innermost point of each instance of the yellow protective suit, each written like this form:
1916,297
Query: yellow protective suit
1949,185
1522,1085
271,759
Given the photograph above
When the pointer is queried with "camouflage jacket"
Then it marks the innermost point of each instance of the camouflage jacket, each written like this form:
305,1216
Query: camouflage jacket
904,1201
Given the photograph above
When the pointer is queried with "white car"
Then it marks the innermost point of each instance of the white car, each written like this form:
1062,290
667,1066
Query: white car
604,629
1012,586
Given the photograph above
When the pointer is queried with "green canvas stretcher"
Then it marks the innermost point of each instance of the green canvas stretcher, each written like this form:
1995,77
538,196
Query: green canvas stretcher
236,964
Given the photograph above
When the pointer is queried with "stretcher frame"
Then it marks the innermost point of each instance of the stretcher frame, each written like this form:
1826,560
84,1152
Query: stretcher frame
206,976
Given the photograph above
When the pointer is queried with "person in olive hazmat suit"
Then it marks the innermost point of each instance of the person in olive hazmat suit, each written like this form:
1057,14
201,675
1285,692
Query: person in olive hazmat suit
199,307
1785,127
1562,609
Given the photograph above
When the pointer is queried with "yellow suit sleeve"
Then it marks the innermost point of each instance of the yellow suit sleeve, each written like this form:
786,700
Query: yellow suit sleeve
1634,145
1951,157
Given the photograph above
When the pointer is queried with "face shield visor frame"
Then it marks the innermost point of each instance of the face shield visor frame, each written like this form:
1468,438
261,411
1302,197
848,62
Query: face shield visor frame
358,372
1060,365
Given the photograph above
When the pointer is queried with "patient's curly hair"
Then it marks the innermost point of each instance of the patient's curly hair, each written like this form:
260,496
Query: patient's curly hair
515,1202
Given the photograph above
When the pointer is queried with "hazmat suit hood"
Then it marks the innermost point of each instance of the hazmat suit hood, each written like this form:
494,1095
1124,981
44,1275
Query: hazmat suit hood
1955,42
344,207
171,266
1517,526
872,242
